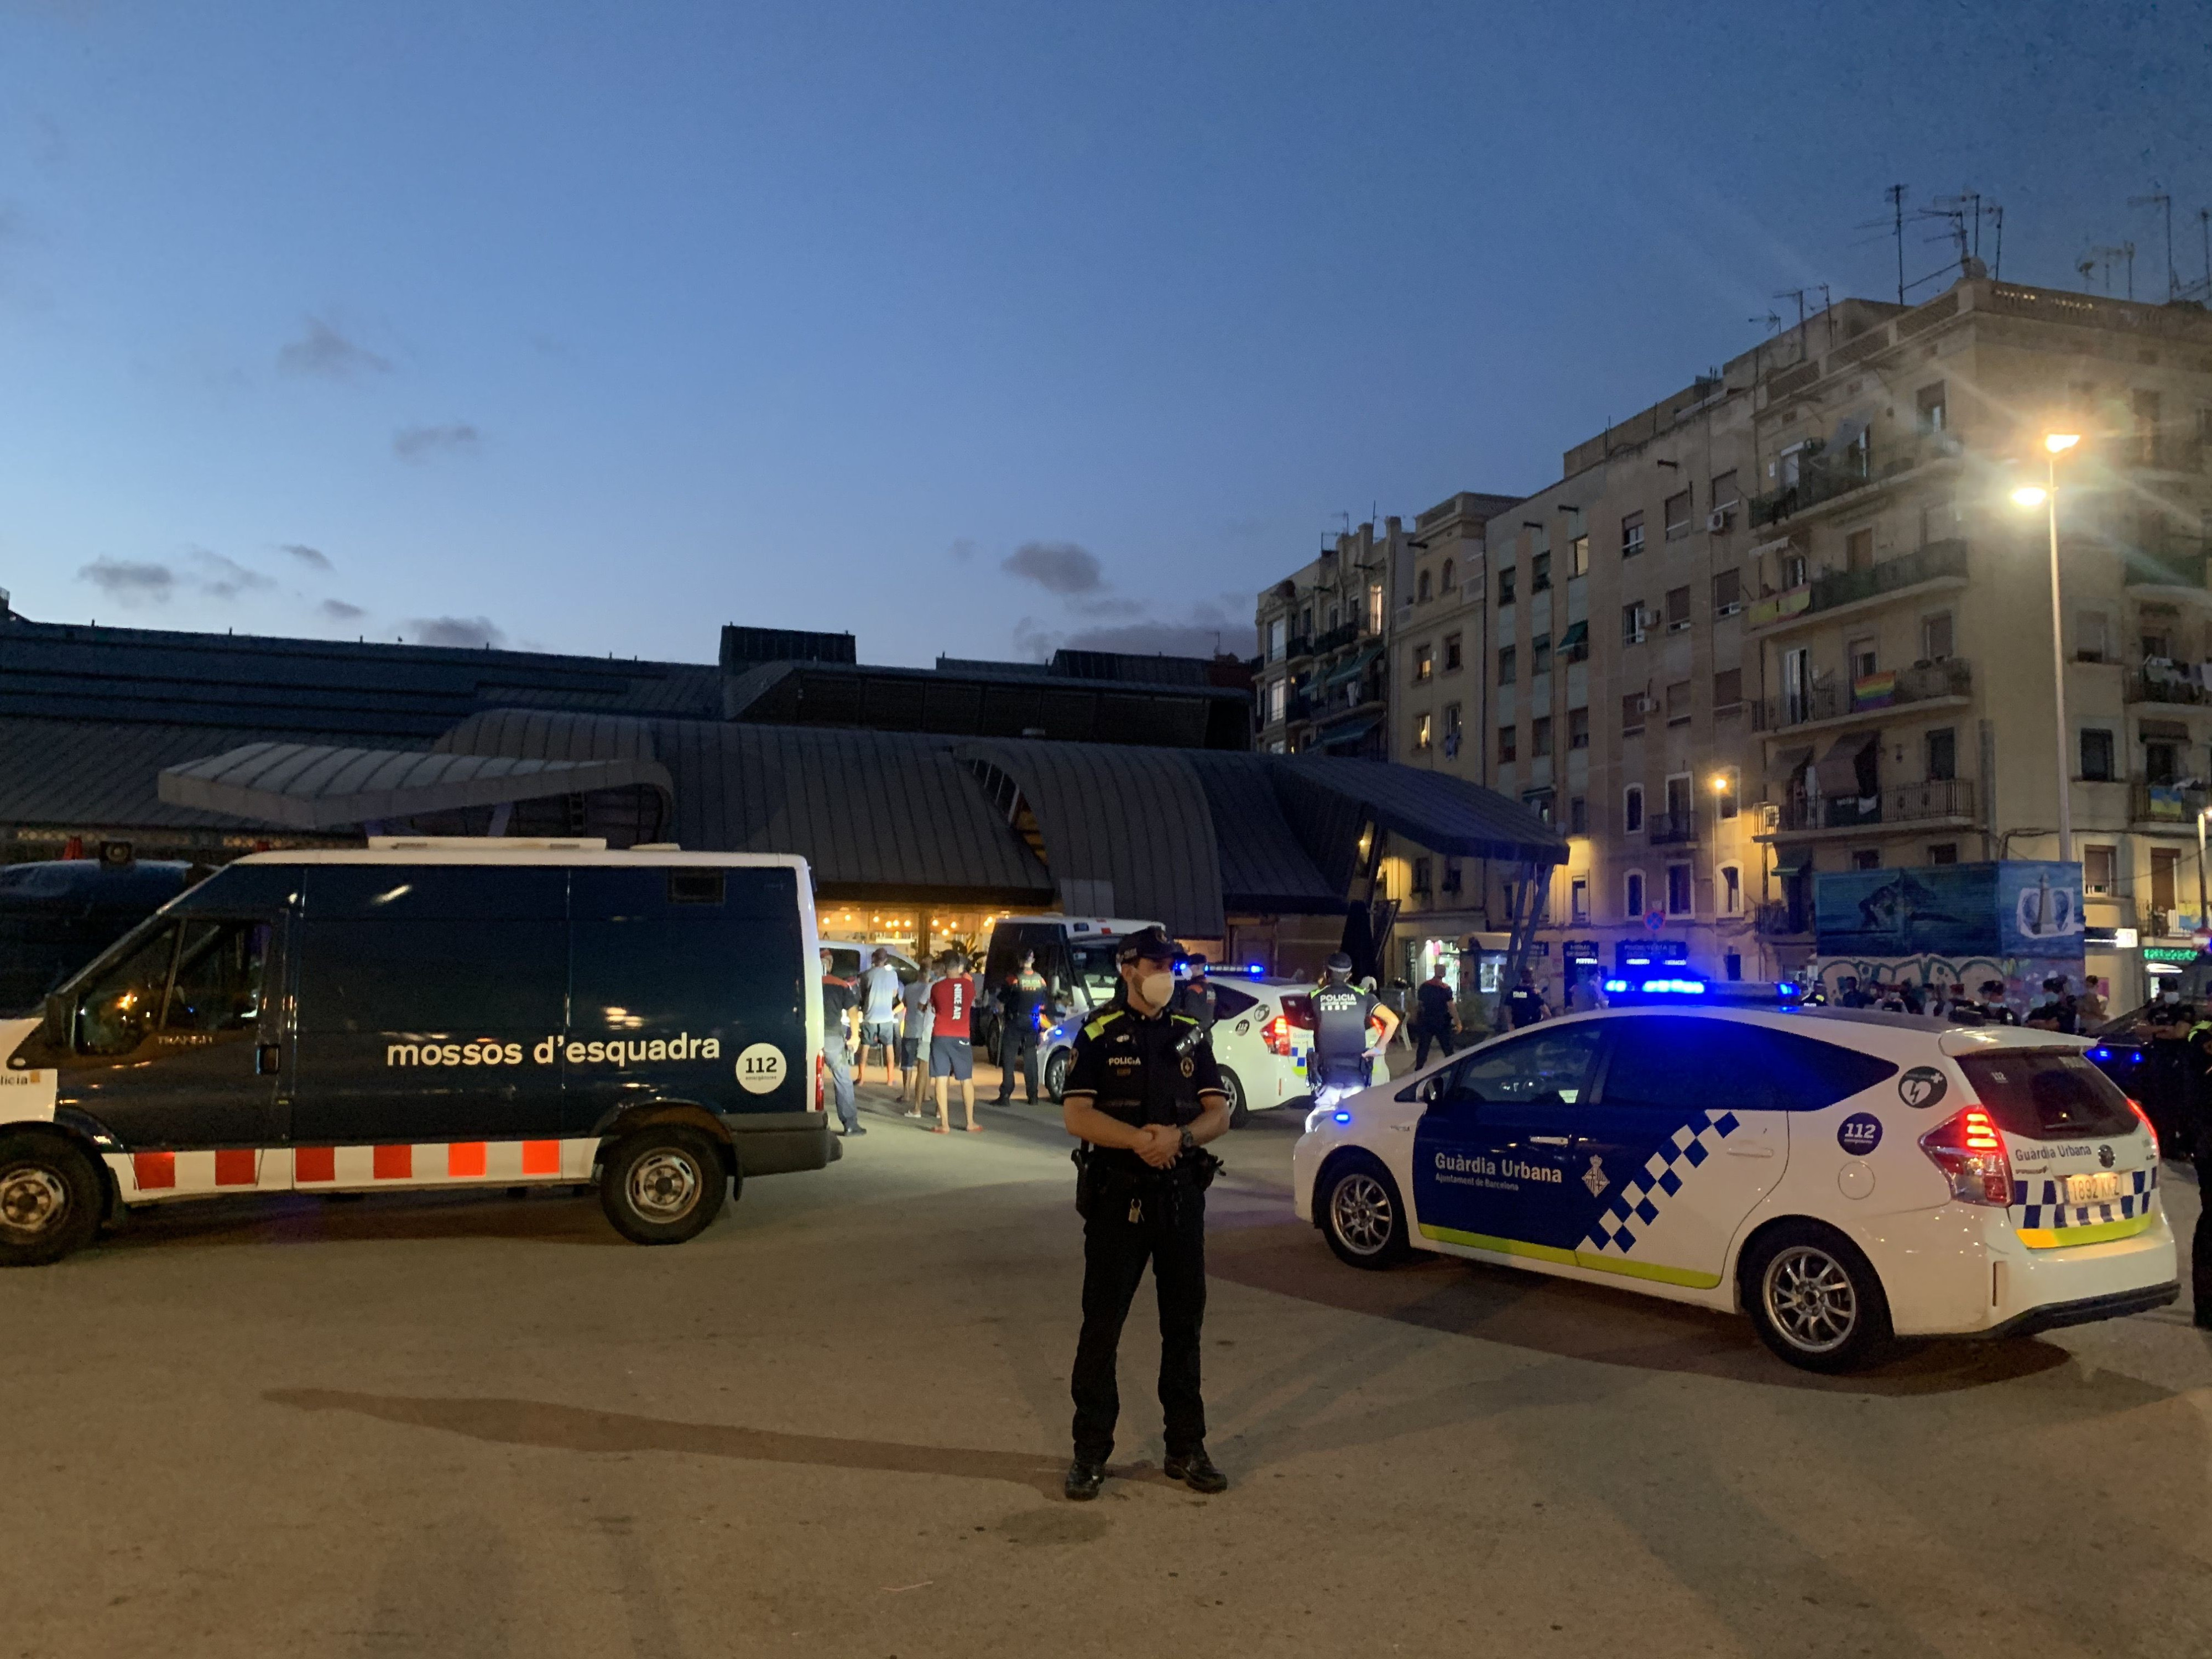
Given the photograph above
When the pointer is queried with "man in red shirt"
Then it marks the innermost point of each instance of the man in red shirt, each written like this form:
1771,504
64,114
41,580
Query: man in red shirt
952,1000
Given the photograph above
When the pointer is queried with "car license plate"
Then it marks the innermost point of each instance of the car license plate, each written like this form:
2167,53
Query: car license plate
2093,1189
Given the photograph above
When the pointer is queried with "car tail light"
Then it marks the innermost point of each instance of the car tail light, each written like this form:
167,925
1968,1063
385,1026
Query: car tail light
2150,1128
821,1068
1970,1152
1276,1034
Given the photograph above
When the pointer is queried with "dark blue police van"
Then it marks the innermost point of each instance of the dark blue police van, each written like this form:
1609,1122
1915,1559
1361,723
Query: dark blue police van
429,1012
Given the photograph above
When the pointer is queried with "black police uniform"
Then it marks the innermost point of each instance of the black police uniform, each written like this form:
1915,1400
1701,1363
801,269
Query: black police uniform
1341,1016
1141,1070
1198,999
1023,995
1524,1006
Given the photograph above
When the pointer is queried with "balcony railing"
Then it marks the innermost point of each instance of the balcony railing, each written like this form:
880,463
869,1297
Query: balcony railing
2156,685
1342,635
1820,476
1952,677
1298,645
2164,803
1943,558
2183,567
1672,828
1904,803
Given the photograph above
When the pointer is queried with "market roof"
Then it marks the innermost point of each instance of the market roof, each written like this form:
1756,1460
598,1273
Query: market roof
315,787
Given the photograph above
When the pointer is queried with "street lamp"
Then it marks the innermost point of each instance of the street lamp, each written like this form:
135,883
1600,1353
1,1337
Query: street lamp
2056,444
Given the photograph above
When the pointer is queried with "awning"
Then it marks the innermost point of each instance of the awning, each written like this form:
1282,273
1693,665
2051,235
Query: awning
1789,763
1352,666
1789,864
1350,730
312,786
1576,634
2163,731
1838,772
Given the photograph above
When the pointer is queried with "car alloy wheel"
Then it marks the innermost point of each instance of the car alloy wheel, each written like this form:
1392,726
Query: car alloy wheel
1361,1211
1809,1298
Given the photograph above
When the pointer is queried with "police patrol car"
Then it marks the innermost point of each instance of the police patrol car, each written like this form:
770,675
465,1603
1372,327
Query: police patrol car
1841,1176
426,1012
1262,1038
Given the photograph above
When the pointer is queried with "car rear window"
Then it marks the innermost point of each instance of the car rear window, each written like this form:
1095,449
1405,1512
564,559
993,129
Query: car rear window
2048,1094
1680,1062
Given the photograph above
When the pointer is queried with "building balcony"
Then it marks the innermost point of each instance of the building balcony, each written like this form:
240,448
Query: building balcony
2182,567
1938,561
1671,829
1335,639
1931,805
1870,696
2161,686
2165,804
1820,477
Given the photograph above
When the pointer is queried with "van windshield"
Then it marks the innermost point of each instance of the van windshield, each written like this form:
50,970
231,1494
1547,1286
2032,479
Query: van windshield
1097,971
2048,1094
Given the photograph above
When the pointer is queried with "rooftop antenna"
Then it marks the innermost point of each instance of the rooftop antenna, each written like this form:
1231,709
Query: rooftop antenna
1896,194
2204,221
1996,223
2123,252
2162,199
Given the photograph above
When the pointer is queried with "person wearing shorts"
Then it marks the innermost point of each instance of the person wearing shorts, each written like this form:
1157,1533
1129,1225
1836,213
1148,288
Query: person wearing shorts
914,1042
880,992
952,1001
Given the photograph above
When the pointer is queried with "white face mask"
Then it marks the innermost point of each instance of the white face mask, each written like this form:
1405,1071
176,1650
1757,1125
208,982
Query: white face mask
1157,989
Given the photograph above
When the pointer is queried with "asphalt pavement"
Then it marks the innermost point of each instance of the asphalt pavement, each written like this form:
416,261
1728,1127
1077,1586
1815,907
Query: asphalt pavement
837,1424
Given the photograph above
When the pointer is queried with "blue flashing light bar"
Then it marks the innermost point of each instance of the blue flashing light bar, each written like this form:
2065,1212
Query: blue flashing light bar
1683,988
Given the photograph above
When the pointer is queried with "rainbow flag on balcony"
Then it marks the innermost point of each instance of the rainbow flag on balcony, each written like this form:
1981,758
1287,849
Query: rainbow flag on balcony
1874,691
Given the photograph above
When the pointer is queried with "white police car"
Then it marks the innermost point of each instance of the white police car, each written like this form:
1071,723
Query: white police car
1842,1177
1263,1031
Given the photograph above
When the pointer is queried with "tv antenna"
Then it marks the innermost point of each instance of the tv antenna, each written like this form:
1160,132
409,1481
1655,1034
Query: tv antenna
2124,253
2162,199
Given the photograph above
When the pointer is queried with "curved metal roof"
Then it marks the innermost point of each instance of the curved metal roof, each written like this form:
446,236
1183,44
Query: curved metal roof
306,786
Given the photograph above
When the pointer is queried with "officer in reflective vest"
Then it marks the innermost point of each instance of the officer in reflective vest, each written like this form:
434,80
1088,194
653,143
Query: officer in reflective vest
1143,1095
1343,1044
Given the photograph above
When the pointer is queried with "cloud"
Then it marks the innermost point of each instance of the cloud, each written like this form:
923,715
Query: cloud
338,610
223,577
1060,568
1106,604
469,631
323,350
421,443
130,582
313,557
1034,641
963,549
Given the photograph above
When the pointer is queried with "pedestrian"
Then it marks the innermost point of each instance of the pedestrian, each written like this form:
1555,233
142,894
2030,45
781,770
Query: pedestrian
1433,1017
1344,1017
951,1056
1198,998
2056,1012
2089,1008
837,1005
1143,1096
1019,1000
879,1003
914,1039
1525,1004
1996,1010
2196,1100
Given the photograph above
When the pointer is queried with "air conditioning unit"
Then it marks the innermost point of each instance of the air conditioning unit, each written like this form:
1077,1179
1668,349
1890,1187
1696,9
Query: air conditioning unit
1647,705
1718,519
1637,637
1731,609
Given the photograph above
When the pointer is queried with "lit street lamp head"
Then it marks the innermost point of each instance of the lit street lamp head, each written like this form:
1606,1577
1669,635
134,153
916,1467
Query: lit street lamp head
2059,442
2031,496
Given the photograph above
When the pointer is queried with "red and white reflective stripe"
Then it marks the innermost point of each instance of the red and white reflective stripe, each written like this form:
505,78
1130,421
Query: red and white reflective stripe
309,1169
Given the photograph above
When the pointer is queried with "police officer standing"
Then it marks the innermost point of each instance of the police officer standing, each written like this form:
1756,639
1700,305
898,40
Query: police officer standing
1019,1000
1143,1095
1525,1005
1198,998
1342,1015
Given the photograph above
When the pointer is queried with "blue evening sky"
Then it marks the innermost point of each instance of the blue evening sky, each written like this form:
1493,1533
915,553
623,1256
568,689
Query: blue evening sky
601,325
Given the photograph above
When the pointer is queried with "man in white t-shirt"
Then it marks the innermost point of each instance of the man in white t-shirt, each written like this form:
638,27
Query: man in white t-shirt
914,1040
879,991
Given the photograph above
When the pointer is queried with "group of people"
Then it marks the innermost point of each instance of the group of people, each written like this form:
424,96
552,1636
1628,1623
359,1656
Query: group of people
2059,1008
929,1024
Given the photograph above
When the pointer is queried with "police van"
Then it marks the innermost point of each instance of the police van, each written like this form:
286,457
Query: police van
1842,1177
428,1012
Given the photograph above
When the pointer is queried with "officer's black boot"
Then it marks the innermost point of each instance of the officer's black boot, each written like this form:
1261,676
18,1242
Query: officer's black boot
1195,1469
1084,1481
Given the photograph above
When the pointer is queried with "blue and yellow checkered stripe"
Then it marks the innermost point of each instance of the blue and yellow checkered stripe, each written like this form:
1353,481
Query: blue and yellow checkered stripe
1640,1198
2045,1221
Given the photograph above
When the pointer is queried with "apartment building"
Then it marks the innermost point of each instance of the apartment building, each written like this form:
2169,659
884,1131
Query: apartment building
1591,661
1901,621
1322,684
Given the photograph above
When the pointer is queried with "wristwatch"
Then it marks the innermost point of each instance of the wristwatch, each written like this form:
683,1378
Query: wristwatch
1190,1141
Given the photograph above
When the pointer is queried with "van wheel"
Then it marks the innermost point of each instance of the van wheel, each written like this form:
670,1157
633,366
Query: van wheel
1361,1213
49,1200
1816,1300
1055,1073
663,1185
1239,1112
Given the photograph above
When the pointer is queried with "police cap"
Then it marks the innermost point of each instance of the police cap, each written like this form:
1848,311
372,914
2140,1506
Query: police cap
1148,944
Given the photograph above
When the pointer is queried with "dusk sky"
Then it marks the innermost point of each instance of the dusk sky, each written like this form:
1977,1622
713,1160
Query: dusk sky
593,327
